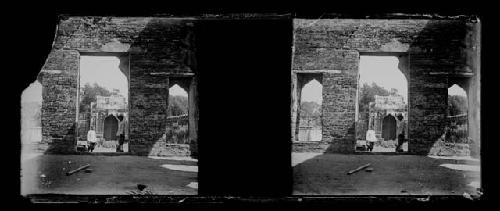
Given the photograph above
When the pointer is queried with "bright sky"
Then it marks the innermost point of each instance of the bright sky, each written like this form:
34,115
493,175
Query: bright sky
177,90
456,90
33,93
104,71
383,70
312,92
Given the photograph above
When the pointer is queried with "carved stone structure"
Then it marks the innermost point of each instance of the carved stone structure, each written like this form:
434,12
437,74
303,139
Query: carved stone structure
388,117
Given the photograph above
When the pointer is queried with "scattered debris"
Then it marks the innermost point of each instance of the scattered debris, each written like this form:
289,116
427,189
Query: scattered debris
358,169
479,191
193,185
467,196
77,170
426,199
141,187
143,190
369,169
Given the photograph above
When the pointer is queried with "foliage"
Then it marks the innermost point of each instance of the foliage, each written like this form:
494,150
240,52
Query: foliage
89,94
457,134
457,105
310,109
367,94
178,105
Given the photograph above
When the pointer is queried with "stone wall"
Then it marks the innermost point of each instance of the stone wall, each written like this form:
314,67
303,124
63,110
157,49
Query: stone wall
155,48
177,129
430,51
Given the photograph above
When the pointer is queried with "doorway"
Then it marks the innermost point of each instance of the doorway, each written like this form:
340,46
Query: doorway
110,128
103,102
382,112
389,128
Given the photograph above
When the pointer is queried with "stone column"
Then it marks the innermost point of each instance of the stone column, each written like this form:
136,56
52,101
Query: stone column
474,91
59,79
295,106
193,115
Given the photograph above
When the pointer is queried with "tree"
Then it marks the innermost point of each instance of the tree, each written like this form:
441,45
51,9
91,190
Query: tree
310,109
457,105
178,105
367,94
89,94
115,92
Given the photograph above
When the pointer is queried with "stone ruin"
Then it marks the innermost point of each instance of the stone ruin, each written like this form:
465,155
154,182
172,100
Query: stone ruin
433,55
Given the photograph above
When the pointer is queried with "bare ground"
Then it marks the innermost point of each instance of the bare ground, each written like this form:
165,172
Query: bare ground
115,175
326,174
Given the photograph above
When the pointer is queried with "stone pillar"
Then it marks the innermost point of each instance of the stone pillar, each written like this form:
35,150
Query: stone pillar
339,101
59,79
427,122
370,120
148,111
193,115
295,106
474,89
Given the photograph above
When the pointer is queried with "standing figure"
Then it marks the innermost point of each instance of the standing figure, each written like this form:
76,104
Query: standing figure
371,138
120,133
91,138
401,139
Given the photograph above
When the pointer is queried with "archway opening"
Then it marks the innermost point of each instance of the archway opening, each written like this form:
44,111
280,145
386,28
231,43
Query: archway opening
31,122
389,128
382,104
457,118
103,103
177,127
310,123
110,128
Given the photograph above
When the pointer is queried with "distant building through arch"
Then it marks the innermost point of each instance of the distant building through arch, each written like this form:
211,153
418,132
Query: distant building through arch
110,128
389,128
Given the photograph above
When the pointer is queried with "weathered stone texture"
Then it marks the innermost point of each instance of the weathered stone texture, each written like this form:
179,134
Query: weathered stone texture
151,45
310,146
433,51
433,54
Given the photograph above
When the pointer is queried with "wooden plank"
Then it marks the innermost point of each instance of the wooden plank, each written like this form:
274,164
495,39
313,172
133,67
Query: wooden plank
317,71
358,169
172,74
77,170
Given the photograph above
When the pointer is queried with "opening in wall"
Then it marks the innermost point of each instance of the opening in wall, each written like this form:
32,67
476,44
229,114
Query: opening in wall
382,113
457,116
103,108
177,127
309,124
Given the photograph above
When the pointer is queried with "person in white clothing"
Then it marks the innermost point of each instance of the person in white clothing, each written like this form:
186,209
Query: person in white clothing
371,138
91,138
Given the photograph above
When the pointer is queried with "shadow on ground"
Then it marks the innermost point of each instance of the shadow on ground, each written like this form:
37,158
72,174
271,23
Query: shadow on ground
326,174
116,175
